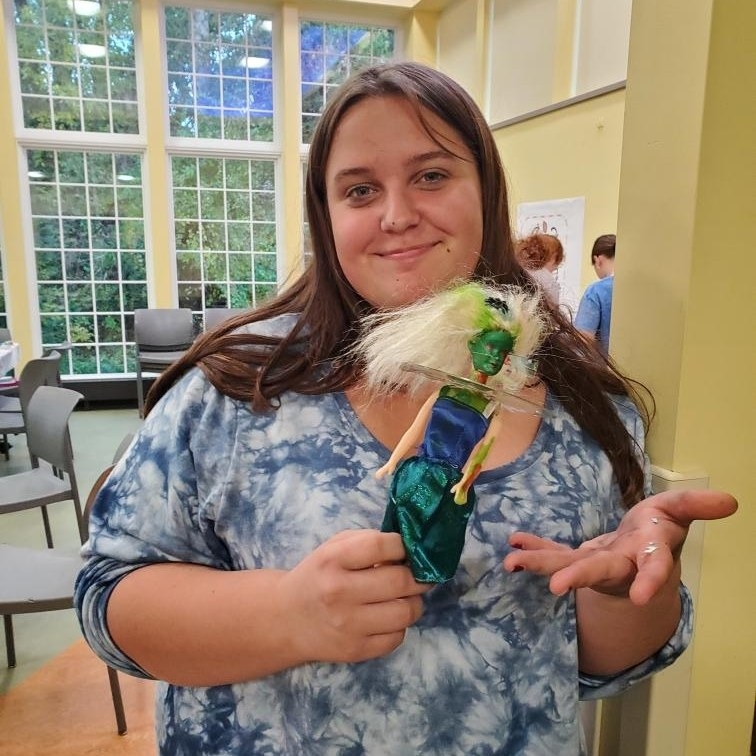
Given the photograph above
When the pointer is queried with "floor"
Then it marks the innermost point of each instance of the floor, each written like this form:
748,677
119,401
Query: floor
95,435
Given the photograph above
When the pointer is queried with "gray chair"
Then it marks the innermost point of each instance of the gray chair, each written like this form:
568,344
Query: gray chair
43,371
42,580
216,315
52,477
161,337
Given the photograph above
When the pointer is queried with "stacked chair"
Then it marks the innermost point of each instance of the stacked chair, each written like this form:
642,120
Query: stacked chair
43,371
42,580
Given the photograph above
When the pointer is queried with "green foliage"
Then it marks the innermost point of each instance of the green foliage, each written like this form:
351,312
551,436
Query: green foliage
59,77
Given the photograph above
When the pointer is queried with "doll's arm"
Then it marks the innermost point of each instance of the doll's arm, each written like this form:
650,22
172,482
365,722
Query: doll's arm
474,463
411,438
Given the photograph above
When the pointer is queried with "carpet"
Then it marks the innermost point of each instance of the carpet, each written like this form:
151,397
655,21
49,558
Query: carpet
65,709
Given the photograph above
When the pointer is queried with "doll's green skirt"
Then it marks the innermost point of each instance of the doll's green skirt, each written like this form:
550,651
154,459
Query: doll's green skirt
422,510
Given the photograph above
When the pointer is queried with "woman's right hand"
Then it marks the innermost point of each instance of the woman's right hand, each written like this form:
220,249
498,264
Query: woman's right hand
352,599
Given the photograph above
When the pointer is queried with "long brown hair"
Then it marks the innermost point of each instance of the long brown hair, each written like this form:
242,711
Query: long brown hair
327,310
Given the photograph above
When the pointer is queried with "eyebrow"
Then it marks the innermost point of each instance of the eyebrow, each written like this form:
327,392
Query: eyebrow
415,160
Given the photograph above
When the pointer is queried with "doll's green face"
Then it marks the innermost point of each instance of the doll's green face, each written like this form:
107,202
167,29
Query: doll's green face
489,349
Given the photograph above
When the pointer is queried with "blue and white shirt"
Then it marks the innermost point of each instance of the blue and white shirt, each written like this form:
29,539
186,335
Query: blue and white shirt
490,668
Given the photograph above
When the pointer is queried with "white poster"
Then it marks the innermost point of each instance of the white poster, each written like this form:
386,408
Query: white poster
562,218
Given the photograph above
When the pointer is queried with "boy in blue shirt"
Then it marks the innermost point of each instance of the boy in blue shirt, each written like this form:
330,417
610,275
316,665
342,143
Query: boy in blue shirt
594,315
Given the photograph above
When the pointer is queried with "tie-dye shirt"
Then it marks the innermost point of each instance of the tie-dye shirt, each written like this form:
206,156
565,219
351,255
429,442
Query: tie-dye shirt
490,668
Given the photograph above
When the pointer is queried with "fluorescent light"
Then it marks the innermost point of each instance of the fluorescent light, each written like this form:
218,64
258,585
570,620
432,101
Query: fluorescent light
254,61
36,174
84,7
125,177
91,51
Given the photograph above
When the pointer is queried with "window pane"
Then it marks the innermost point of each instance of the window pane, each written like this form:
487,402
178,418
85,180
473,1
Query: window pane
220,74
77,72
329,54
225,231
89,259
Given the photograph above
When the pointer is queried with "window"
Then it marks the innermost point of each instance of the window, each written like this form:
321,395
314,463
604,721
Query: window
225,231
329,54
220,74
76,65
77,74
220,92
89,248
79,86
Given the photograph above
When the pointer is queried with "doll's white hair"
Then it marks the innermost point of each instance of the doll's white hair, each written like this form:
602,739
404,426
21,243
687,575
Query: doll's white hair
435,331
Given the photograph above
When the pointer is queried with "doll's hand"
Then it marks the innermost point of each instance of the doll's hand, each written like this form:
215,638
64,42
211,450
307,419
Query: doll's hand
351,599
636,560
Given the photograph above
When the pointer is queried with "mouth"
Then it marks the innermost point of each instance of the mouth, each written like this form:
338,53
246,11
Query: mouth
408,253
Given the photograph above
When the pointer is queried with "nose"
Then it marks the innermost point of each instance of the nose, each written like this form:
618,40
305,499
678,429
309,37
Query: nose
399,211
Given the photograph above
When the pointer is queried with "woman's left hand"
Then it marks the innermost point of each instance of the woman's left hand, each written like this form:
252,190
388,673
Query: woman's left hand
635,560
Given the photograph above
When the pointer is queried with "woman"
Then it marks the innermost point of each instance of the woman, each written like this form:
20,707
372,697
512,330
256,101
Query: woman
233,552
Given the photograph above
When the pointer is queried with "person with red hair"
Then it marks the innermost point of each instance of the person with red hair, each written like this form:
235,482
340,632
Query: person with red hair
541,255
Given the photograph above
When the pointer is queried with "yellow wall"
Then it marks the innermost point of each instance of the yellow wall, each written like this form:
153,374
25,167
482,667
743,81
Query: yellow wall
684,314
681,167
14,265
572,152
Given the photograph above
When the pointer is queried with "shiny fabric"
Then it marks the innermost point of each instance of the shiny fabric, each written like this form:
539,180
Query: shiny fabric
421,506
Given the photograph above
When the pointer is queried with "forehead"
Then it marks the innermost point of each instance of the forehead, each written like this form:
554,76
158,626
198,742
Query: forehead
376,128
493,337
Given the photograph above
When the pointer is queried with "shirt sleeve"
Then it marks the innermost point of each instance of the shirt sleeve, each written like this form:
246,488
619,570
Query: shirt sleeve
588,316
151,510
593,687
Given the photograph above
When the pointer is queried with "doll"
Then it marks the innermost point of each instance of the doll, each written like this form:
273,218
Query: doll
485,333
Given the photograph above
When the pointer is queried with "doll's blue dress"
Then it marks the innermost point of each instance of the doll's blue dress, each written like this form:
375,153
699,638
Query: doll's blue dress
421,505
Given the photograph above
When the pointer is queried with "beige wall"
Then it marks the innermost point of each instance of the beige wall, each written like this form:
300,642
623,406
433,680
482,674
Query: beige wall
685,312
679,168
572,152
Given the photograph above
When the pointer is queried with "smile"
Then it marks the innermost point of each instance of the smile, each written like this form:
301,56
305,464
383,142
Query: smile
408,253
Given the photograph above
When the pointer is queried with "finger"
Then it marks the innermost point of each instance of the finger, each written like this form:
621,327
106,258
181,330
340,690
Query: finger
528,542
375,646
654,570
541,562
686,506
383,583
590,572
362,549
391,616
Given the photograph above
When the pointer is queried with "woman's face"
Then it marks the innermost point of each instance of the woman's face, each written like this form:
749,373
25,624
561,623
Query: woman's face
406,215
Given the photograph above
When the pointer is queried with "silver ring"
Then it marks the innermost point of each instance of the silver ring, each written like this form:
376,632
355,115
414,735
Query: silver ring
650,547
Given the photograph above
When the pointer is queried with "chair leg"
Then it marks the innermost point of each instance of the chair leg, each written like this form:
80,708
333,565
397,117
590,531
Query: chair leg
6,446
48,530
10,646
140,389
115,690
83,534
